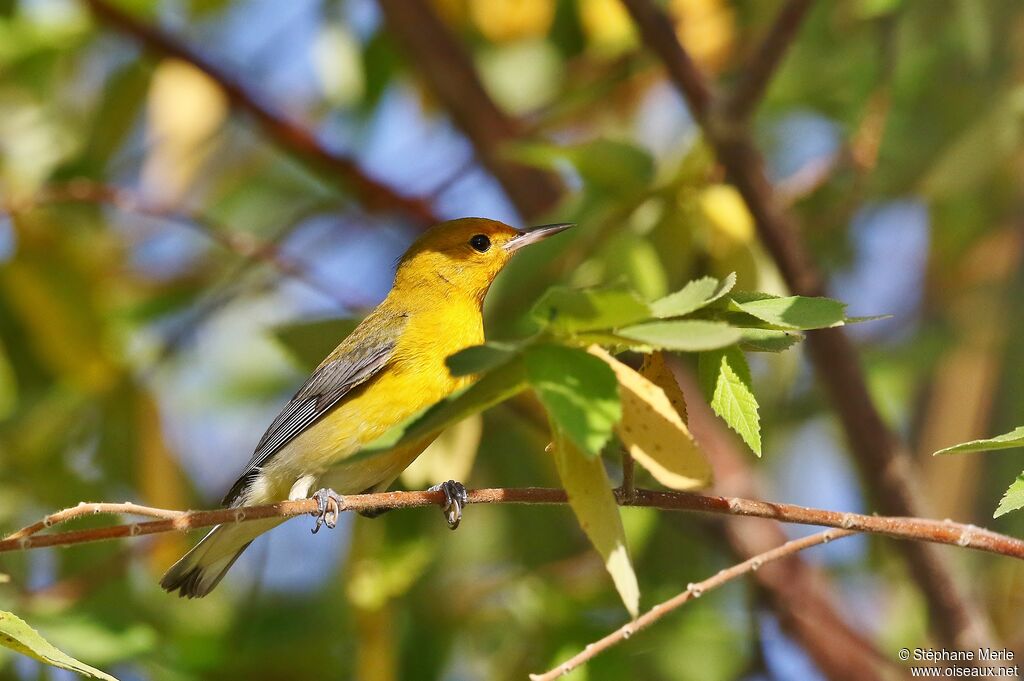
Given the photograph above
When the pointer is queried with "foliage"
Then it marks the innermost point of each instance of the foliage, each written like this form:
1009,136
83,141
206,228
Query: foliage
149,334
1013,499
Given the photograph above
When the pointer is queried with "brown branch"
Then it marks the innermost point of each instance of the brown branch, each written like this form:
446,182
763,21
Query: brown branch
764,62
883,459
660,37
802,596
628,486
290,135
917,529
692,591
449,73
243,244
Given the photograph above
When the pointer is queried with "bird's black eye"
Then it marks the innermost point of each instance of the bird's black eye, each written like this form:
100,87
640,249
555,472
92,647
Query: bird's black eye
480,242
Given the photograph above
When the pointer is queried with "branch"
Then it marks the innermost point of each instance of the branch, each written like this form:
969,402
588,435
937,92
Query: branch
374,195
765,61
692,591
917,529
243,244
449,73
808,605
883,459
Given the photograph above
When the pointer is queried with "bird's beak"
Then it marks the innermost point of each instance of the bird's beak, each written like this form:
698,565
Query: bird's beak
532,235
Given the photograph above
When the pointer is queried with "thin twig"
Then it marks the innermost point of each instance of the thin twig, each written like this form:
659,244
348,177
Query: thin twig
449,72
243,244
917,529
692,591
879,452
804,598
758,71
290,135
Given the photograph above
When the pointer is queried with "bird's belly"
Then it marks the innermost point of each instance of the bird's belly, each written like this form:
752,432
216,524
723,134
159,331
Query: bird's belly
318,454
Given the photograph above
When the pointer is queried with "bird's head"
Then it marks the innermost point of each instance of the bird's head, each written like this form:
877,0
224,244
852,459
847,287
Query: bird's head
464,255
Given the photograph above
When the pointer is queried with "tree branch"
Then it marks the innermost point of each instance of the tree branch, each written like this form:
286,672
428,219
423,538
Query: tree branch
449,73
243,244
917,529
807,604
692,591
758,71
882,458
374,195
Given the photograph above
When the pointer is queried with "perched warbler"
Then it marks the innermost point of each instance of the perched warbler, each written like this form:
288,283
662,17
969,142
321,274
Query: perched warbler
389,368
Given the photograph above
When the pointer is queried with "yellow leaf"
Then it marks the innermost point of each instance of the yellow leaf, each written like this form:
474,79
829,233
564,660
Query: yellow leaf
159,479
652,429
507,20
655,370
57,304
592,500
17,635
727,213
707,29
185,108
449,457
607,25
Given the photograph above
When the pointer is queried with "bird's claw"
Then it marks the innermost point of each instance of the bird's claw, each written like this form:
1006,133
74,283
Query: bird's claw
455,499
328,505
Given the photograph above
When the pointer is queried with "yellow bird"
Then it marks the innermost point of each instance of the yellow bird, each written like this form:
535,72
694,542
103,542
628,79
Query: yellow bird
388,369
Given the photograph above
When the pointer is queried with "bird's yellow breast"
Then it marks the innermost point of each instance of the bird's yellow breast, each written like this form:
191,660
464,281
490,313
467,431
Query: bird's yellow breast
415,377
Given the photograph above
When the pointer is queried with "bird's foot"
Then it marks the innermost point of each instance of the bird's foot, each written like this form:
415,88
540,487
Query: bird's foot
455,499
328,505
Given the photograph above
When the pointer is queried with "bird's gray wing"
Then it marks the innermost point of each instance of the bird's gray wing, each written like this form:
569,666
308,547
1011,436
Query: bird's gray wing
328,385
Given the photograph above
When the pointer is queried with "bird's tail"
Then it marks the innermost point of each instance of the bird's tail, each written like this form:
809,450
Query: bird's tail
202,568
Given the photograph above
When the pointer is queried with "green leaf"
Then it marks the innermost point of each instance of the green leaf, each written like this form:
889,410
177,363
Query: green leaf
591,499
579,392
725,378
311,342
687,335
693,296
610,168
17,635
1015,438
493,387
795,312
1013,499
613,167
573,310
480,358
768,340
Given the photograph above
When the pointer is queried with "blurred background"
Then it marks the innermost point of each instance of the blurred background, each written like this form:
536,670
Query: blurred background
196,196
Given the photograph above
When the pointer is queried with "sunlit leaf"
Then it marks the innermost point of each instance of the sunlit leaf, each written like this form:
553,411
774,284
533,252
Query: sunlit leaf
796,312
727,213
1015,438
686,335
652,428
574,310
17,635
693,296
1013,499
185,109
725,378
579,392
591,498
768,340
